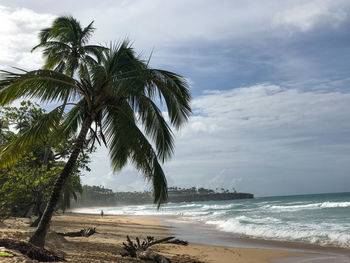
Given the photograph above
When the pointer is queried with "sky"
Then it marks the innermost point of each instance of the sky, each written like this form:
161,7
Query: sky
270,86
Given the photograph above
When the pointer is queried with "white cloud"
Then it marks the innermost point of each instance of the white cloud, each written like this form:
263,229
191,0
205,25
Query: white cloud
311,13
264,135
18,35
183,34
268,107
170,24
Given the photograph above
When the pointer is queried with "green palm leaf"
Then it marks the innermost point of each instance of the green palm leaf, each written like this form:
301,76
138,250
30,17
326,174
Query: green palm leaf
45,85
38,132
125,140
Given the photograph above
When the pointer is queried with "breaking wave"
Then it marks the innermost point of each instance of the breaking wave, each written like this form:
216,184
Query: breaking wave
316,219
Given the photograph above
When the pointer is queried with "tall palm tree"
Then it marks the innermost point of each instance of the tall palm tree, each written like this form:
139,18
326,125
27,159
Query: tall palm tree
115,101
65,49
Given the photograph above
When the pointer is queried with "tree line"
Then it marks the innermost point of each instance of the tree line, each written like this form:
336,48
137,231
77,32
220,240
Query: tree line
101,196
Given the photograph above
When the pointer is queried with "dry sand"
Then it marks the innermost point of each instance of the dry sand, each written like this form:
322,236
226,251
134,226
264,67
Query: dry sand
106,245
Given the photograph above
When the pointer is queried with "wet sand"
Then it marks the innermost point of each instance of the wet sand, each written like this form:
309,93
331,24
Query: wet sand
106,245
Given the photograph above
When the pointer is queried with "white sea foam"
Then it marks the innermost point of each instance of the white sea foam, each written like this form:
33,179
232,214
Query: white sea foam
217,207
335,204
309,234
312,219
184,205
258,220
307,206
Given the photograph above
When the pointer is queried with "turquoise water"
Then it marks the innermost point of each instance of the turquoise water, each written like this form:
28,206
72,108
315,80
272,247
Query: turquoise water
321,219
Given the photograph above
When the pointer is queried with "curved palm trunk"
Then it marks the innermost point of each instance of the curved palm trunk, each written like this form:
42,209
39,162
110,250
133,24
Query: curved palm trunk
38,238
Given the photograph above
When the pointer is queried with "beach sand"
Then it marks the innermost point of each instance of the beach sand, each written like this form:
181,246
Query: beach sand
106,245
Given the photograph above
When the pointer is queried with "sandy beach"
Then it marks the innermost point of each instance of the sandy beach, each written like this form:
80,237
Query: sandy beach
106,245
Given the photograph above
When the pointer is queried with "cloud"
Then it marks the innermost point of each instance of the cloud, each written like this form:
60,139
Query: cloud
245,40
268,107
168,23
254,137
18,35
268,138
305,17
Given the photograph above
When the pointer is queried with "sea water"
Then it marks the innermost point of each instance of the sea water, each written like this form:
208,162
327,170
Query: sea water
322,219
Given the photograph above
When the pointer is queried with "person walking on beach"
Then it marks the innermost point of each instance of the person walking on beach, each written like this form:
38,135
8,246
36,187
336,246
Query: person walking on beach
101,213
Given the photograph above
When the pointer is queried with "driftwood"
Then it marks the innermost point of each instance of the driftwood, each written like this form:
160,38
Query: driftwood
33,252
139,249
86,232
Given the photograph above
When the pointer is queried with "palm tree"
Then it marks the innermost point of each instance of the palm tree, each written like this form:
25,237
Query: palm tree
115,102
65,50
65,45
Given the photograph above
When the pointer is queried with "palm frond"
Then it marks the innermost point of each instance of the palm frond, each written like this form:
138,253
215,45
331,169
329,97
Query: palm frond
156,127
119,58
44,35
175,91
95,50
45,85
38,132
152,120
125,140
71,121
129,74
99,75
87,32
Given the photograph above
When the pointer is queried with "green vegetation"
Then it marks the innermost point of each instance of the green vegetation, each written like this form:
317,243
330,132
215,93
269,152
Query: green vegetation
107,100
100,196
26,185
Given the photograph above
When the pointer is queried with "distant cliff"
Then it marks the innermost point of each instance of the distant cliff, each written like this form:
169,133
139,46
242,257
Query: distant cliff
100,196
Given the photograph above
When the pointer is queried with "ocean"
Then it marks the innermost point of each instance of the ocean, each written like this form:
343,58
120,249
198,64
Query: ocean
320,219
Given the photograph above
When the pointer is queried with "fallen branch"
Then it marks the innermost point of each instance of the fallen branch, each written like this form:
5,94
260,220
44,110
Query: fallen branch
138,249
33,252
86,232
